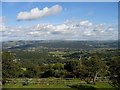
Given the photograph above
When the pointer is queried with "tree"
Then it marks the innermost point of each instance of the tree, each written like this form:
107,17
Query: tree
54,70
48,73
32,72
10,68
91,67
71,65
115,70
58,66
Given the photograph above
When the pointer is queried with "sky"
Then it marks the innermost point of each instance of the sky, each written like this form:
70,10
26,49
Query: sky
59,21
60,0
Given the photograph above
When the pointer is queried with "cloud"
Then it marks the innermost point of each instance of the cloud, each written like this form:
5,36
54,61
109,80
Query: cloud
81,30
2,26
1,19
36,13
85,23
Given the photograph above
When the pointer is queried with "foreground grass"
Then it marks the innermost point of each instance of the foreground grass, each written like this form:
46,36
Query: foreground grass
35,86
97,85
77,86
41,83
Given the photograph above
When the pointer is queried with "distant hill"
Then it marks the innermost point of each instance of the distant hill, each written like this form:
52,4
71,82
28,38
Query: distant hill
49,51
10,45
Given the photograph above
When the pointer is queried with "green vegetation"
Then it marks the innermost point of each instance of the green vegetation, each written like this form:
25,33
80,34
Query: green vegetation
96,68
97,85
55,83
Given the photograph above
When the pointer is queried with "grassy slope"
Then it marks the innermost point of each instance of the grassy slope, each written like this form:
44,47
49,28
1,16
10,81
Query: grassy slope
98,85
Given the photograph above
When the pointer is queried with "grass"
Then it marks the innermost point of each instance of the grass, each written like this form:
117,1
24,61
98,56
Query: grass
41,83
56,83
103,85
36,86
98,85
92,86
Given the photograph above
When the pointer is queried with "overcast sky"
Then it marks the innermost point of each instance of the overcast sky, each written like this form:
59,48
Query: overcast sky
59,21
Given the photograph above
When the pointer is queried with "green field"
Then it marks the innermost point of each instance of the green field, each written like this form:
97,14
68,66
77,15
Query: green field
55,83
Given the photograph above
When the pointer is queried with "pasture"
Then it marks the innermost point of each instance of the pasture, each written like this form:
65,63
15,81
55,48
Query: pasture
54,83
